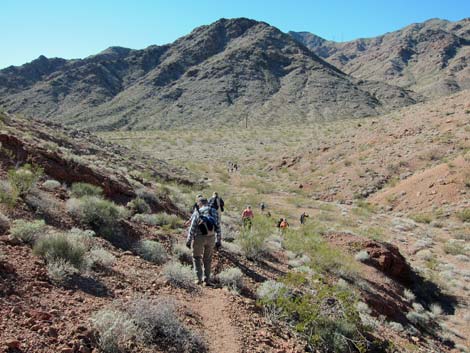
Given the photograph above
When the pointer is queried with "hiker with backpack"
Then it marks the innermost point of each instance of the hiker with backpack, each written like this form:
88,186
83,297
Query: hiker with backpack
204,233
247,217
217,203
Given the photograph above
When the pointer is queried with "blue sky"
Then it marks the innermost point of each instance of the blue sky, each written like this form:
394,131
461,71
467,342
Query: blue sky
78,28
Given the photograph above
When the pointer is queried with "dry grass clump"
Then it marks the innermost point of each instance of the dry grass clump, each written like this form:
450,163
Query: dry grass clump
27,232
231,278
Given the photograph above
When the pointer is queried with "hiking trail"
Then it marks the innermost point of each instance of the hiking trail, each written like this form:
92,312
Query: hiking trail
222,335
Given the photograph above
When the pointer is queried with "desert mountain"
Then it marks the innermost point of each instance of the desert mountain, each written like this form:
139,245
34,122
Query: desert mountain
221,72
431,58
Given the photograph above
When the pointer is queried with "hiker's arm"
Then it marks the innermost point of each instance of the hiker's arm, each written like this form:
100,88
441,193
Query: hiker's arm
192,228
222,205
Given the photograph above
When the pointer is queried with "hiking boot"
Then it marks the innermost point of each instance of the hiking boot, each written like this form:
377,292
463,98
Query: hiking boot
198,282
209,283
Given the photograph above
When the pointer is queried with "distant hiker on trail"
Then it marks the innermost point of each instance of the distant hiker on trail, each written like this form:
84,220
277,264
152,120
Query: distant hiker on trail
278,224
204,232
262,206
284,225
235,167
217,203
302,217
247,217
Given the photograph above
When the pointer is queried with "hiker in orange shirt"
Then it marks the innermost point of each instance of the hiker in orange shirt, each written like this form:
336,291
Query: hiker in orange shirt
283,225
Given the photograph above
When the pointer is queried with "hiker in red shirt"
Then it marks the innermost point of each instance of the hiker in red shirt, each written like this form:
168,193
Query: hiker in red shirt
247,217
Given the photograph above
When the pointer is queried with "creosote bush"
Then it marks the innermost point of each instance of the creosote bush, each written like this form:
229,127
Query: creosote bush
101,215
85,189
152,251
59,246
19,182
464,215
27,232
182,253
326,316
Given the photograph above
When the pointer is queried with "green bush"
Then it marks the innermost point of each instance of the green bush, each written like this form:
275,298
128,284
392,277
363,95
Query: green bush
100,257
325,316
85,189
422,218
60,271
27,232
464,215
152,251
19,182
54,247
253,242
101,215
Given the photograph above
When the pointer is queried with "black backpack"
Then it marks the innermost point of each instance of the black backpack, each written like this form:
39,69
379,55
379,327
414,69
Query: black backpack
206,223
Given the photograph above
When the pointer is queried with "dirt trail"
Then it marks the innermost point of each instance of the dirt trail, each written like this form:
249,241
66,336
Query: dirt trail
222,335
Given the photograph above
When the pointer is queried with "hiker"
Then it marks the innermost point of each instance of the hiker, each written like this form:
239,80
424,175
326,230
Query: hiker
195,206
217,203
235,167
278,224
283,225
203,233
247,217
302,218
262,206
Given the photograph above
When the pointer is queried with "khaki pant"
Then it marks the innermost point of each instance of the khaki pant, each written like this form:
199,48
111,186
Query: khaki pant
203,248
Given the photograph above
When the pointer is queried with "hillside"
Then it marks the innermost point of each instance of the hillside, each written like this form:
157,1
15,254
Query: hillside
431,58
218,74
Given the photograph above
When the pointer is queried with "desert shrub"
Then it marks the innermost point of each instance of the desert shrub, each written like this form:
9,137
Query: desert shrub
152,251
231,278
159,323
139,205
19,182
60,271
324,258
231,248
455,247
159,219
101,215
253,242
23,179
396,326
51,185
100,257
179,275
464,215
419,318
409,295
27,232
362,256
116,330
422,218
364,208
325,316
4,224
85,189
54,247
182,253
148,196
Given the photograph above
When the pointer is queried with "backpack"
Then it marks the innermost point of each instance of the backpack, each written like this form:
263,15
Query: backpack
206,223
